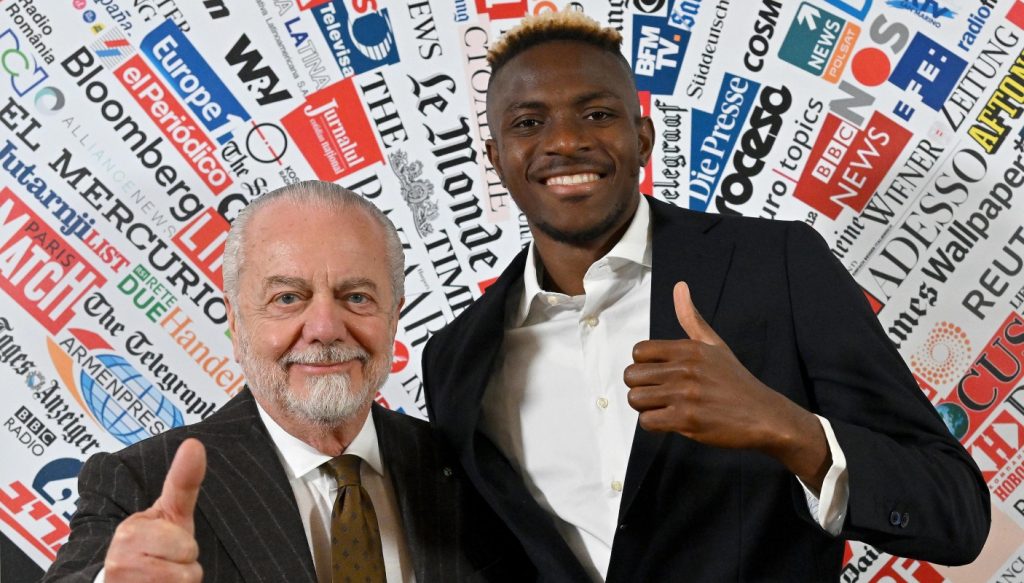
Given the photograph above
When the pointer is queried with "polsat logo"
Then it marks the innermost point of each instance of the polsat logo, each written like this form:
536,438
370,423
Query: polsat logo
112,391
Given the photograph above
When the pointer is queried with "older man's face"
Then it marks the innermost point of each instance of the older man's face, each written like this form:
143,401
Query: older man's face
315,322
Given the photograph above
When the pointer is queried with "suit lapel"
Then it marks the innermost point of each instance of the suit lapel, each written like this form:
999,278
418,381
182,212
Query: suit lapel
247,499
682,251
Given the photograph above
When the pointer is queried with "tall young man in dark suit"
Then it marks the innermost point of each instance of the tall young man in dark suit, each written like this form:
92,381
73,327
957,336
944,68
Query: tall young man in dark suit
653,394
313,276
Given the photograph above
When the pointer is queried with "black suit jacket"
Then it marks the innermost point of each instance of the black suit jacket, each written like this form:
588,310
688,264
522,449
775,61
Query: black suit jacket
247,521
690,512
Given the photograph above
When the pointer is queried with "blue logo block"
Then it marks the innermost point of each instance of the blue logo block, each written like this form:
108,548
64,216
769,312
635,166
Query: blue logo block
189,75
358,45
714,136
929,70
658,51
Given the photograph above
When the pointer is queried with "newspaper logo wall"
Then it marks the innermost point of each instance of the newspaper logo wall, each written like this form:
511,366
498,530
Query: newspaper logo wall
132,133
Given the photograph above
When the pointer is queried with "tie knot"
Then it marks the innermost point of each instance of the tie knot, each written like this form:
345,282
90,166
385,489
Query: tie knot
344,469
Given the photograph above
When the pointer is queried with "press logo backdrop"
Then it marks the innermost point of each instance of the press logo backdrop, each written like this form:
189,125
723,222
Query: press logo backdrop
132,132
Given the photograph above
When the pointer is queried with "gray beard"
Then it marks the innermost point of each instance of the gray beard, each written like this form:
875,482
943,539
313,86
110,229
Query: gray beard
330,400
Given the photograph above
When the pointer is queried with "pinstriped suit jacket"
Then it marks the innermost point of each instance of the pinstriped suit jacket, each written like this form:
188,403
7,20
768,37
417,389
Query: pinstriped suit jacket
247,522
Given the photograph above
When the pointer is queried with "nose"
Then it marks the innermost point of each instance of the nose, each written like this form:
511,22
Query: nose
325,321
565,136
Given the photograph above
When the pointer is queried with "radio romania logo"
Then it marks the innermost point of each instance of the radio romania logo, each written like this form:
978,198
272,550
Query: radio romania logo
110,389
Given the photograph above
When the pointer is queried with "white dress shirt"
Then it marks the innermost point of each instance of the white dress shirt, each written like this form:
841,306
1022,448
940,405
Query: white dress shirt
556,403
315,492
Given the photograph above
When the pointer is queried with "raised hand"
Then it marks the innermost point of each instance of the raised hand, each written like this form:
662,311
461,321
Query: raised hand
698,388
158,544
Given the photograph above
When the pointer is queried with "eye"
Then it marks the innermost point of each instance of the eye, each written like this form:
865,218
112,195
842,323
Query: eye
526,123
599,115
358,298
286,299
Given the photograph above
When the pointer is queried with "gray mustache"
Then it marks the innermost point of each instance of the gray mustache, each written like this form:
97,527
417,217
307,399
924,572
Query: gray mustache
325,354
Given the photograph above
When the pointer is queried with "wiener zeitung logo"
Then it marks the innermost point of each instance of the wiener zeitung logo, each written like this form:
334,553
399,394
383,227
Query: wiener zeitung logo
38,268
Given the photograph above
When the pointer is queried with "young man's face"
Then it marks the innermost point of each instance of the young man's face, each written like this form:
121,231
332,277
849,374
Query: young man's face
568,140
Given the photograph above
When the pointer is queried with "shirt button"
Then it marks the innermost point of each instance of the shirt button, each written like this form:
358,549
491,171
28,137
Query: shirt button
616,485
591,321
551,300
602,402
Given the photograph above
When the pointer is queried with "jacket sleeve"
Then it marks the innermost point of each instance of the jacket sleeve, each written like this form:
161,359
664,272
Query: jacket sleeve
914,490
107,494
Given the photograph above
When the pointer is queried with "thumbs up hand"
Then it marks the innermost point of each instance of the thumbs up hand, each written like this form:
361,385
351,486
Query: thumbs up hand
698,388
158,544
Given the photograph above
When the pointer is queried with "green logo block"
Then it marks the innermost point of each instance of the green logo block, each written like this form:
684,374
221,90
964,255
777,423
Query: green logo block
812,38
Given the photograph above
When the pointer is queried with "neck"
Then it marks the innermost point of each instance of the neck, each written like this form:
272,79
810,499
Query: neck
565,264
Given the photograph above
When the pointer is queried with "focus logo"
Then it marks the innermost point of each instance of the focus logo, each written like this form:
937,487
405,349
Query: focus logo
714,135
987,382
847,164
819,42
115,394
40,515
333,133
658,51
191,77
360,44
38,268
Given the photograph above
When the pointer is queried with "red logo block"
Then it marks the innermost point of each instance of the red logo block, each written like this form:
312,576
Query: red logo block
202,241
847,164
333,133
38,268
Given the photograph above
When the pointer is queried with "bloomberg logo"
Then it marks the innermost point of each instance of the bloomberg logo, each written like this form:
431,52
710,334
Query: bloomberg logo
658,51
191,77
360,44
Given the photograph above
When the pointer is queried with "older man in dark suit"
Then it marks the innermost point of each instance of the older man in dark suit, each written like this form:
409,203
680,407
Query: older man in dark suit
306,479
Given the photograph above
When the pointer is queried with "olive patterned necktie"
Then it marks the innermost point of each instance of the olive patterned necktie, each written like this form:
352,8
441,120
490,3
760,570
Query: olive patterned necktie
356,554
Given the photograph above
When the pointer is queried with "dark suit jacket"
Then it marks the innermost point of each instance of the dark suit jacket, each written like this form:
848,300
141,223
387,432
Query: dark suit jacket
247,521
795,318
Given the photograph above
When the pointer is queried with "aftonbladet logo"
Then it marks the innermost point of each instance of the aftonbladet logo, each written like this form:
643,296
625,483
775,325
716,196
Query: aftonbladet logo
848,163
38,268
333,133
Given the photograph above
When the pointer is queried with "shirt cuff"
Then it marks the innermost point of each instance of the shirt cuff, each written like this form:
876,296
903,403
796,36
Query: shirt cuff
829,509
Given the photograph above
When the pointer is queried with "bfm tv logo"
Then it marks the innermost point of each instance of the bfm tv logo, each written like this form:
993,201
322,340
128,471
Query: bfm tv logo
333,133
358,44
112,391
38,268
40,514
658,50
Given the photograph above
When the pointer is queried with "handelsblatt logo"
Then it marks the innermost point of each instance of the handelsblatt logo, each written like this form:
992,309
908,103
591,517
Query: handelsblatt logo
110,389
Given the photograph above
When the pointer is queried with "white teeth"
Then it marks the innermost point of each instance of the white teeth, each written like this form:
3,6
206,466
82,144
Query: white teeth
572,179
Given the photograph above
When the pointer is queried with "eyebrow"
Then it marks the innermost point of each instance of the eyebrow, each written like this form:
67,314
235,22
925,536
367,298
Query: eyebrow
275,281
585,98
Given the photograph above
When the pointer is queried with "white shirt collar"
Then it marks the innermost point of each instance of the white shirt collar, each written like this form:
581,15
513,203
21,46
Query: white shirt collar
633,247
299,458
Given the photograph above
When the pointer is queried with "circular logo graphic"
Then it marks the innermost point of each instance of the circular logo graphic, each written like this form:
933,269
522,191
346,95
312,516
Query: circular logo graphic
78,4
266,142
401,359
89,16
955,418
648,6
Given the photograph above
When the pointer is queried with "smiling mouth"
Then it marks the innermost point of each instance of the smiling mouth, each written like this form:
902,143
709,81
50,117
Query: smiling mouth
572,179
